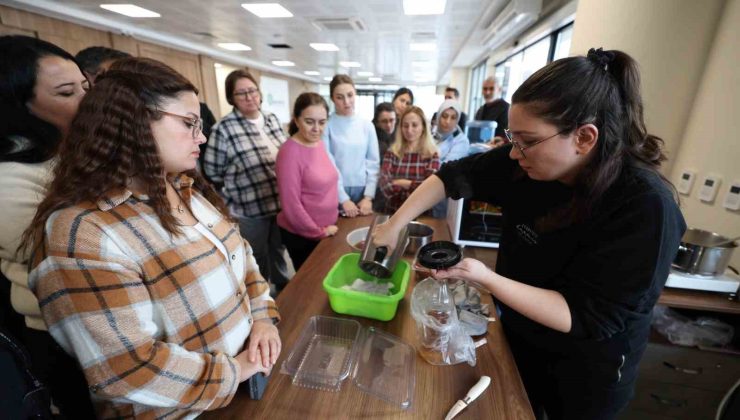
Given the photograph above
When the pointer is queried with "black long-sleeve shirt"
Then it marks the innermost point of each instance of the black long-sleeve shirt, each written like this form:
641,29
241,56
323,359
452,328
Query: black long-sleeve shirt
609,268
496,110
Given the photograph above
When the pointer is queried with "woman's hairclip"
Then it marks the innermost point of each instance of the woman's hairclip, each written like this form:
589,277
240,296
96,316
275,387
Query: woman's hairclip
601,57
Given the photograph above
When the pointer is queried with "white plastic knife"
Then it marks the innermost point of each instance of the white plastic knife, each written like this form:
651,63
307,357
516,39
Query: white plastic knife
474,393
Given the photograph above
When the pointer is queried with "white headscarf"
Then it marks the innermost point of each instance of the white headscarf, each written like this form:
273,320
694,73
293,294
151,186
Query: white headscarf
449,103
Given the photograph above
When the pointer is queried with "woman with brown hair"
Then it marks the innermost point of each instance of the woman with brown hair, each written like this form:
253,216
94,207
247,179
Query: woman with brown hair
307,180
353,145
410,160
590,229
240,160
140,273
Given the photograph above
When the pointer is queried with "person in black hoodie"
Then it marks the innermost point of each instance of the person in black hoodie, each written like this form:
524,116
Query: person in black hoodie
590,228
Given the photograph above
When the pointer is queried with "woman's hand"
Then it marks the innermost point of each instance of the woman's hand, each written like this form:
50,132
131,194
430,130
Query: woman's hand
330,230
366,206
385,234
350,209
470,271
403,183
247,368
264,343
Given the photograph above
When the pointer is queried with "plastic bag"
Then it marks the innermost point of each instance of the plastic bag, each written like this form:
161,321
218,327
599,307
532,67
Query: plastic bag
443,340
681,330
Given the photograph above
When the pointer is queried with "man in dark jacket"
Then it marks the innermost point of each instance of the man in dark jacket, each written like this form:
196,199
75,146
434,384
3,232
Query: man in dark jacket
494,109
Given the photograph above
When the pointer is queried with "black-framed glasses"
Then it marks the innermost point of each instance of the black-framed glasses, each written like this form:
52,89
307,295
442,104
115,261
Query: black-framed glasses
522,147
195,124
242,94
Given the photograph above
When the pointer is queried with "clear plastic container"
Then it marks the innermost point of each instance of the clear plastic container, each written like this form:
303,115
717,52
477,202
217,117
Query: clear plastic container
321,358
330,348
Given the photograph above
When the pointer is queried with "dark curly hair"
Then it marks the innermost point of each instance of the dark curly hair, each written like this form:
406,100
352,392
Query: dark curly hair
18,69
110,141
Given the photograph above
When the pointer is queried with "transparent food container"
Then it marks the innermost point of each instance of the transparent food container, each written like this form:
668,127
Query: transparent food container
330,348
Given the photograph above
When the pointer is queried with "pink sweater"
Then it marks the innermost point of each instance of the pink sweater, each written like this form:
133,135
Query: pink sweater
307,183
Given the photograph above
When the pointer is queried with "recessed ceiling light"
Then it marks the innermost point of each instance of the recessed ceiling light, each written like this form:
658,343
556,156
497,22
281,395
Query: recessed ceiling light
328,78
319,46
374,79
217,65
420,63
311,73
130,10
423,46
364,73
234,46
283,63
267,10
424,7
349,64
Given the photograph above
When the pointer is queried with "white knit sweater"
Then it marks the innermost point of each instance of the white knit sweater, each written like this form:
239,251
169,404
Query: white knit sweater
22,187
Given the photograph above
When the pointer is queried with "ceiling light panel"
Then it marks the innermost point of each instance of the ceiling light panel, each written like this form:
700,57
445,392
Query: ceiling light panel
319,46
311,73
374,79
267,10
423,46
349,64
364,73
283,63
234,46
424,7
130,10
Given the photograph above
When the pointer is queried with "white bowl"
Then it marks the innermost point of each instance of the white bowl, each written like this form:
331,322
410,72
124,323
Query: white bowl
357,237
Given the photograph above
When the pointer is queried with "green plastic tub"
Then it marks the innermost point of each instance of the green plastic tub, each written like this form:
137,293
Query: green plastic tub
350,302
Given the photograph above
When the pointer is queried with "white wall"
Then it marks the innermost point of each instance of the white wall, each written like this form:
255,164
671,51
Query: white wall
459,79
670,39
710,141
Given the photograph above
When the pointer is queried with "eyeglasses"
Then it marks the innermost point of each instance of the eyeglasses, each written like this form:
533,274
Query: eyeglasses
522,147
195,124
242,94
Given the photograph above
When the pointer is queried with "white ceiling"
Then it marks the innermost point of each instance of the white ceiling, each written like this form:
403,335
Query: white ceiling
383,49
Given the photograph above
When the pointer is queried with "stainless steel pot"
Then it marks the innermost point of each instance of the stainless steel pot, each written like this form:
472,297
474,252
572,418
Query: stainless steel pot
419,235
696,255
377,261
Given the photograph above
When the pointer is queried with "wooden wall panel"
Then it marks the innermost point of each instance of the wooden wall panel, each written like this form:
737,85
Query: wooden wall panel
125,44
187,64
68,36
12,30
209,88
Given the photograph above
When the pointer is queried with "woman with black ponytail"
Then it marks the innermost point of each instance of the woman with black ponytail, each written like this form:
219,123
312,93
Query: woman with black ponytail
590,230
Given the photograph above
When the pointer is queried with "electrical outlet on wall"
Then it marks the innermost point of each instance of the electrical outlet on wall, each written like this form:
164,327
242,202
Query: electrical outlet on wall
732,198
686,182
709,187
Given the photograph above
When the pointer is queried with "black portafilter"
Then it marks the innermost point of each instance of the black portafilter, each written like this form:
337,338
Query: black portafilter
439,255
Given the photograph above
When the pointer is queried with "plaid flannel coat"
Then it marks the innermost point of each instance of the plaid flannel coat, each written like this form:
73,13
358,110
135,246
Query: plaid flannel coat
236,157
412,166
153,319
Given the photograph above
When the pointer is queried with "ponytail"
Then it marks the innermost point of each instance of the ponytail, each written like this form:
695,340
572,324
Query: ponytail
642,146
292,127
603,89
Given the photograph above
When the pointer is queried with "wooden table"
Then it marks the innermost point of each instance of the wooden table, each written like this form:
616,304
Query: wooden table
437,387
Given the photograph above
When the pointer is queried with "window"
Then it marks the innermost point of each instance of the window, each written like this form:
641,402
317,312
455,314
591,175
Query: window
515,69
562,44
475,94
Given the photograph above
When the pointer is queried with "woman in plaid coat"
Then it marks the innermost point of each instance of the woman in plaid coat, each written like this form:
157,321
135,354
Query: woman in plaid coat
410,160
140,273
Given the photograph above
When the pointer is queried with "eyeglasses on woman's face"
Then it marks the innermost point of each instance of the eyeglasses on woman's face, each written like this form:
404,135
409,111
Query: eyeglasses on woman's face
242,94
522,146
195,124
